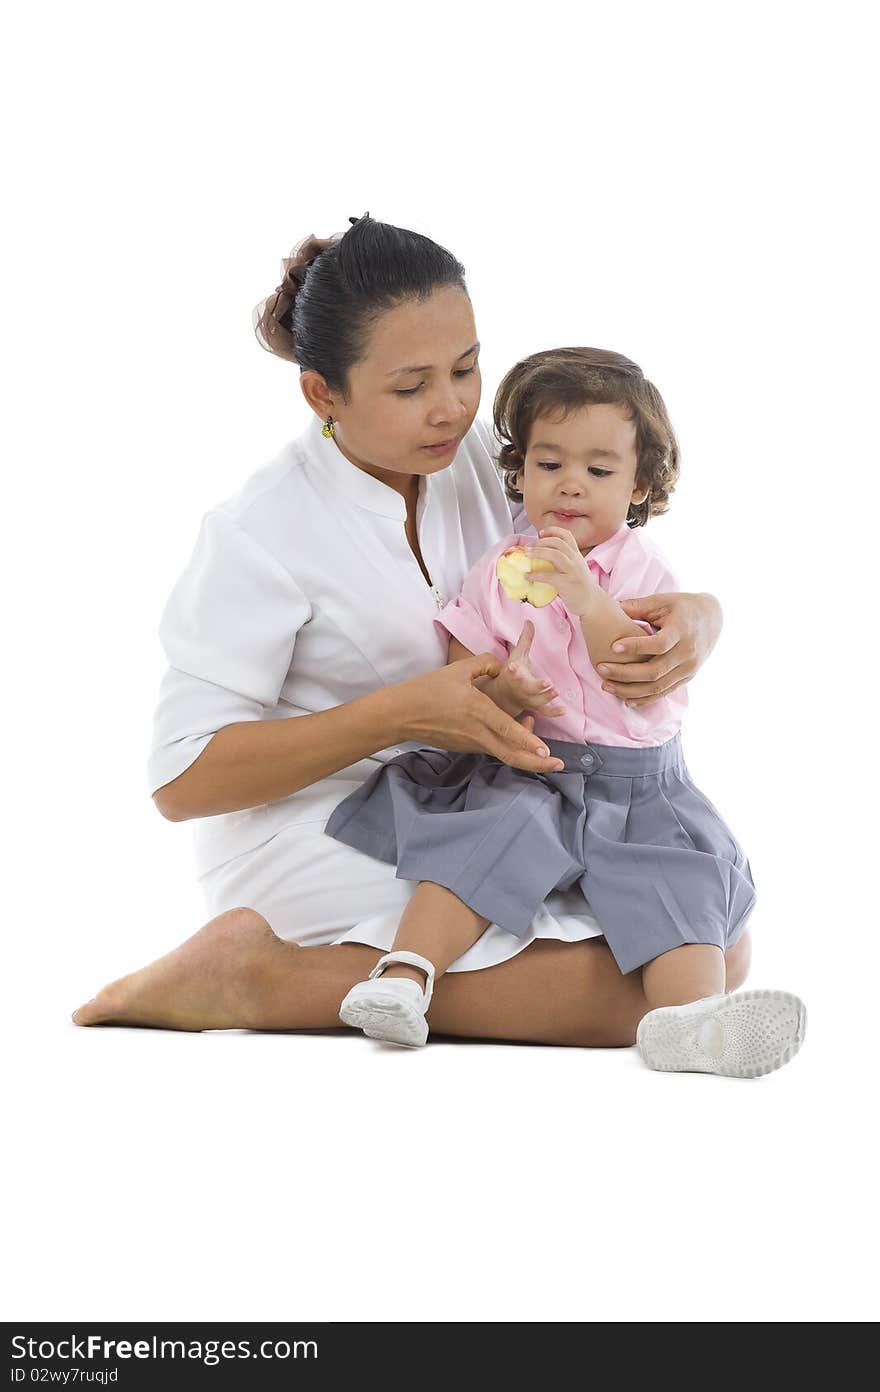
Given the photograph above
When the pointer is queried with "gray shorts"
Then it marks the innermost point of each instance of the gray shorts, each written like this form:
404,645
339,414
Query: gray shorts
655,860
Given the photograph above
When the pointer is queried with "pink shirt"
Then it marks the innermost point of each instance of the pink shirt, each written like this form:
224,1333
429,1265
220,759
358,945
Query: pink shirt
483,619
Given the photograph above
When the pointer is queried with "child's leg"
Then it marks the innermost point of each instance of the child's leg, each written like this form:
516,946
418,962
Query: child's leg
437,925
685,974
693,1027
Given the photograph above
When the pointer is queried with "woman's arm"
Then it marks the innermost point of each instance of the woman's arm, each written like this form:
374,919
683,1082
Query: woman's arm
258,761
255,762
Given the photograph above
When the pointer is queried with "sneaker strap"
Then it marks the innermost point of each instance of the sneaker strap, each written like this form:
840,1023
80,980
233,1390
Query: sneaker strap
409,959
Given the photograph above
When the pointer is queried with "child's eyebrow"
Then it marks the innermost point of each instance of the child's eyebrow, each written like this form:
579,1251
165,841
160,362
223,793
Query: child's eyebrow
426,367
591,454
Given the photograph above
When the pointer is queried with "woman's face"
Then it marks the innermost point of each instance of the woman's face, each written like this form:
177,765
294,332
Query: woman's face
417,387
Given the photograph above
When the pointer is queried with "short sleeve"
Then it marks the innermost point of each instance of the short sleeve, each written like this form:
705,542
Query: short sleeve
473,616
228,631
643,570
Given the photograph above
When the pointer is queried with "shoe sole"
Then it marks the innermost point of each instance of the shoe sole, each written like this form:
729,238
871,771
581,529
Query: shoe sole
759,1031
387,1018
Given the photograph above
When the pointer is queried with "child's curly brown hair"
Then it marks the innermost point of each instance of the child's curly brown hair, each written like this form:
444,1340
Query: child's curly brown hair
564,379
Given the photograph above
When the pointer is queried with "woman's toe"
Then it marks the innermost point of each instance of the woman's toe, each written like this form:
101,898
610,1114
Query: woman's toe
86,1014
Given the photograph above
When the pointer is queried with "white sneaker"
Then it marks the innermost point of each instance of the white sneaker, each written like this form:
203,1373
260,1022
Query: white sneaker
743,1035
393,1009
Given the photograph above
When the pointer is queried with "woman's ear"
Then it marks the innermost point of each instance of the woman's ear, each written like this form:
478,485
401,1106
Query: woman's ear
317,394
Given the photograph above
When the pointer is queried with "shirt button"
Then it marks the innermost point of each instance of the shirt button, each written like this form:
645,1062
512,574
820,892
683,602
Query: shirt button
570,694
587,760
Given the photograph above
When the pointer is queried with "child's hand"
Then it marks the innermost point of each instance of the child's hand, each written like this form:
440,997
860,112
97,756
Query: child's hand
517,688
571,574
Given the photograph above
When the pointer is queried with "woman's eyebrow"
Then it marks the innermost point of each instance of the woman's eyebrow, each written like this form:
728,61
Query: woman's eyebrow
426,367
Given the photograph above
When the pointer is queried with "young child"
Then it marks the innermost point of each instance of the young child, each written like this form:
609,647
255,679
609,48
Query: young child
589,448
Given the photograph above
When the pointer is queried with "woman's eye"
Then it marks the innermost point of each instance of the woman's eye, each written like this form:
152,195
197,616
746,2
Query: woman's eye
411,391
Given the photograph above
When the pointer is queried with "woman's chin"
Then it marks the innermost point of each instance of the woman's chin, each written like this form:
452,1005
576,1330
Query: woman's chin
431,462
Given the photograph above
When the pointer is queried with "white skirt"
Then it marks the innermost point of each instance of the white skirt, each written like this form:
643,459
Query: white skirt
315,891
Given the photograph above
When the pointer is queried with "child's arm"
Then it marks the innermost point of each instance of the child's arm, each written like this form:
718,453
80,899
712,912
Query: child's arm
603,623
516,688
602,619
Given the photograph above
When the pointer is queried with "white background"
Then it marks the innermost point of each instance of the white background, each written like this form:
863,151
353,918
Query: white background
687,184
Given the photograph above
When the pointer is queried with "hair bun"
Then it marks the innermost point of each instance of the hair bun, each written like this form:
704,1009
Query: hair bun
271,320
321,314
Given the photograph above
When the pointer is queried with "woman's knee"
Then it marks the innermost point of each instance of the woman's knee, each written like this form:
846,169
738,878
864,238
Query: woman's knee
737,960
242,920
612,1004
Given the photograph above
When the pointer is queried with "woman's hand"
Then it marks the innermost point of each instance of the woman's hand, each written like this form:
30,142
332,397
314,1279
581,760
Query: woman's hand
570,575
517,688
446,709
655,664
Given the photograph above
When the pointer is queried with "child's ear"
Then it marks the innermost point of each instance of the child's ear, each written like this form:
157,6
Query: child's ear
639,495
520,479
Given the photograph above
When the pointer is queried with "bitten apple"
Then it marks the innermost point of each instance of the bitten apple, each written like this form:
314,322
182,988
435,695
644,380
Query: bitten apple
512,568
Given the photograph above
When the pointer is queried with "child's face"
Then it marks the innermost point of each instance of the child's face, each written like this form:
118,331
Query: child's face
580,473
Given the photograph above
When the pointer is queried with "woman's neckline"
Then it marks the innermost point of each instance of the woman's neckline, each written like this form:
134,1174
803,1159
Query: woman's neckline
405,493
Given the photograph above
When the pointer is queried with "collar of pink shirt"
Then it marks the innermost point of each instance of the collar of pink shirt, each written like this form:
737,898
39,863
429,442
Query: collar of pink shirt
606,553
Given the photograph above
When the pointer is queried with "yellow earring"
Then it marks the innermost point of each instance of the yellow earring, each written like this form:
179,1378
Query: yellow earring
327,428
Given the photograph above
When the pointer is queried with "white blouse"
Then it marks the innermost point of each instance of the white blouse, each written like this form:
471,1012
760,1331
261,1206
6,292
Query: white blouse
302,593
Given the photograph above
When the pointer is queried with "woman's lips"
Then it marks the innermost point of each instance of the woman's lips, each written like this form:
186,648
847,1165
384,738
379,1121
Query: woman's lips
444,447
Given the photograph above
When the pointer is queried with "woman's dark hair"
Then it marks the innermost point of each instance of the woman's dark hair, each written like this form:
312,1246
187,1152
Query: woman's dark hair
334,289
563,379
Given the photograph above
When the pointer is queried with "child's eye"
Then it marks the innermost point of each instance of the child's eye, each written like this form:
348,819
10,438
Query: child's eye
597,473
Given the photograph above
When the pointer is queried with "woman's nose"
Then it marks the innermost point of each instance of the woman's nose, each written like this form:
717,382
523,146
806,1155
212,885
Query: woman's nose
447,406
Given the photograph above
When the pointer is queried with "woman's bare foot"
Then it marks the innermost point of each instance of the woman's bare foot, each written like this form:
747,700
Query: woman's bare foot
234,973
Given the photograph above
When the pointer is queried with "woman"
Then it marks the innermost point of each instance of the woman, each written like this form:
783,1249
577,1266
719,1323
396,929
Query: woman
310,594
